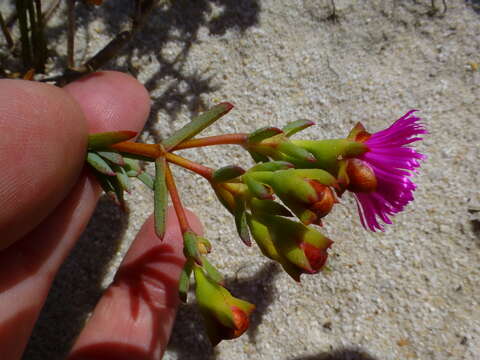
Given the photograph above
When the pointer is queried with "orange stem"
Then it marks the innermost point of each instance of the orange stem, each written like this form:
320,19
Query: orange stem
234,139
204,171
151,151
177,203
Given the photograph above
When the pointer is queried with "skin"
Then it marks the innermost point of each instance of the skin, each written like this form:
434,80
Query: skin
47,199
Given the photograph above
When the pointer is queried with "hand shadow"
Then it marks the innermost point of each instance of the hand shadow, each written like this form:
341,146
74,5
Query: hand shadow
149,274
77,286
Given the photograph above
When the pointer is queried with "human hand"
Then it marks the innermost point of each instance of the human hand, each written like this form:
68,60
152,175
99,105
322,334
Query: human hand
46,201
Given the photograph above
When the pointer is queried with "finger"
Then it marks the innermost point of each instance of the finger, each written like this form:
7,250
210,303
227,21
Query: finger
42,142
134,318
110,101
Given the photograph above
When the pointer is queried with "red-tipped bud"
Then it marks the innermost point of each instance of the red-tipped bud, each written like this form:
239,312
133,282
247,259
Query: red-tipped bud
299,249
306,192
361,177
324,201
317,256
226,317
240,320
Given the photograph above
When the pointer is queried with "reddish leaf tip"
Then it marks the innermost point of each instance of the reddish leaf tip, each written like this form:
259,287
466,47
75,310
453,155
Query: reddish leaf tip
228,106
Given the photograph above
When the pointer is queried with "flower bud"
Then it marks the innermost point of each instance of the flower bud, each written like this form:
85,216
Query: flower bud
298,248
305,192
226,317
324,201
361,177
262,237
204,246
227,193
301,245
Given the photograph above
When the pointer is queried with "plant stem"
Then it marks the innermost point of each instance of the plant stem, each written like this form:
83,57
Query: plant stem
49,12
151,151
71,33
177,203
204,171
41,28
38,39
141,12
6,33
21,6
234,139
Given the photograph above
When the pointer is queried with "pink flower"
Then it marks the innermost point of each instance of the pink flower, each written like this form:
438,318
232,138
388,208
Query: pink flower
390,160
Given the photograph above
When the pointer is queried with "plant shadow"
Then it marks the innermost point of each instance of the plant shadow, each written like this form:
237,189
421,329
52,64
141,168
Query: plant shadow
475,224
189,339
340,354
475,4
166,42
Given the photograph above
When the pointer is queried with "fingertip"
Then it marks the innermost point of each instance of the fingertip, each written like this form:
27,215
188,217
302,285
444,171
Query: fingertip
111,101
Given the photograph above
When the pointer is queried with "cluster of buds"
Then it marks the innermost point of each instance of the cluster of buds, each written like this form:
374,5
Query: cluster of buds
279,202
306,193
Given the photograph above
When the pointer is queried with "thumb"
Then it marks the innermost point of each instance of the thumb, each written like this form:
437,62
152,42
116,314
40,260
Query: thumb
42,141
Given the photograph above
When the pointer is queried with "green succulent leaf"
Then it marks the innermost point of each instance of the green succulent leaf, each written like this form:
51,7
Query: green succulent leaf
112,156
296,126
160,196
103,140
240,215
132,167
147,179
295,151
105,183
190,247
184,281
197,125
212,272
262,134
272,166
257,157
122,178
227,173
322,176
269,207
118,191
99,164
257,188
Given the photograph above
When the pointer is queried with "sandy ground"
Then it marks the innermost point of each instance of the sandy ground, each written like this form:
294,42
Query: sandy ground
411,292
